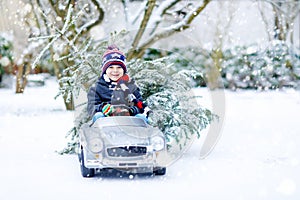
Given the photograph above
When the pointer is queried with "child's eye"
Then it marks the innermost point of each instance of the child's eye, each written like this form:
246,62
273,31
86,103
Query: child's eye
115,67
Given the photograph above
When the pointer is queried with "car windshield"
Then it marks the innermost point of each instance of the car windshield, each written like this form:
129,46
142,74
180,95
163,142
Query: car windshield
120,121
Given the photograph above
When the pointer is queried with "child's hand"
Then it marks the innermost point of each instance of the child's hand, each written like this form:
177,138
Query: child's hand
139,104
107,110
133,110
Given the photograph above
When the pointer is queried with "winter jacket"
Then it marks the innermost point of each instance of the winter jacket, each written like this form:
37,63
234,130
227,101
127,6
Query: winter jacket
106,91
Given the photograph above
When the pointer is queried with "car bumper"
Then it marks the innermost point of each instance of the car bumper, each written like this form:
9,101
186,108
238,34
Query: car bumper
140,163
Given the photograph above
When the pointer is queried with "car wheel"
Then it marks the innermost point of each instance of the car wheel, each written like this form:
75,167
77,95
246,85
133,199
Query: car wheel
79,157
85,172
79,153
160,171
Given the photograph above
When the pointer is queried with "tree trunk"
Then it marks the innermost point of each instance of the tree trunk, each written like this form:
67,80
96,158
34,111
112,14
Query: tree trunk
213,74
21,77
19,80
69,103
279,32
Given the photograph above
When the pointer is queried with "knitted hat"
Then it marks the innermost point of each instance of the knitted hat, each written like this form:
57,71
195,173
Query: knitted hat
113,56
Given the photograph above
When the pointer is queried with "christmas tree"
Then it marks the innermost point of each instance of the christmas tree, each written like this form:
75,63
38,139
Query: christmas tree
166,90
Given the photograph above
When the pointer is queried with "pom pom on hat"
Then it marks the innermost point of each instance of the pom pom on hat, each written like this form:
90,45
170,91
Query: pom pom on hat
113,56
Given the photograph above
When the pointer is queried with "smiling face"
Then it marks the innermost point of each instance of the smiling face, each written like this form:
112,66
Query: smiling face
114,72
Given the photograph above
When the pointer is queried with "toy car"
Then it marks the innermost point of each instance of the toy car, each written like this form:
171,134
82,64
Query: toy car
121,142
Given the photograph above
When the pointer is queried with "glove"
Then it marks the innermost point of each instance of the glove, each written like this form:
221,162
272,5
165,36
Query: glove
133,110
107,110
139,104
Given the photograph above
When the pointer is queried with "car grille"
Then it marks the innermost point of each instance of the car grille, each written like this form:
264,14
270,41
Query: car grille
127,151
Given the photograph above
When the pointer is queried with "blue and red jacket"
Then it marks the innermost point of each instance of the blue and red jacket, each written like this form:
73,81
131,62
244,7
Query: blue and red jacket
104,91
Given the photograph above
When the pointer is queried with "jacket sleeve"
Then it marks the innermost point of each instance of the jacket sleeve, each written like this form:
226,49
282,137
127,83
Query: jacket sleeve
139,102
95,103
137,94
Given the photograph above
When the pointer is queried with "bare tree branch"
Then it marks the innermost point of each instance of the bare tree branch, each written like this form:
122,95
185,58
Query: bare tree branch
163,7
44,18
139,12
285,13
100,17
54,6
295,7
125,6
180,26
264,18
143,25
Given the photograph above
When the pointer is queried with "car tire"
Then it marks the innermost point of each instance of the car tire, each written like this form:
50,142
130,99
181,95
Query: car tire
160,171
85,172
79,153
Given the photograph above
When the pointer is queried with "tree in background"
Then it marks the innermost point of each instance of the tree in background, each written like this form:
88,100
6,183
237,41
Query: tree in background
61,34
6,56
281,25
224,10
58,30
156,14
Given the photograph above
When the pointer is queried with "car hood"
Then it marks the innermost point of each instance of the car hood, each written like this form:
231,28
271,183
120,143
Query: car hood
122,131
127,135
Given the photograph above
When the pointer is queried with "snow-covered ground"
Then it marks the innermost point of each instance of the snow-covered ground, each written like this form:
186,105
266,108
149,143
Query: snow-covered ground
257,157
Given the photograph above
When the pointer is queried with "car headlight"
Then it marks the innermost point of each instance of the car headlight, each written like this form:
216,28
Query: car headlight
158,143
95,145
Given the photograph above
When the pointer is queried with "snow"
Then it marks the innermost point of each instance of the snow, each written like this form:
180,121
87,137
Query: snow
257,157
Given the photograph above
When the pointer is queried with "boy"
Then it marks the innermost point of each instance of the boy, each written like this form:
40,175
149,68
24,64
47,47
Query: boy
114,87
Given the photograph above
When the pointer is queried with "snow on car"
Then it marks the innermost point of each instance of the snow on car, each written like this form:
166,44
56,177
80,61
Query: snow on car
121,142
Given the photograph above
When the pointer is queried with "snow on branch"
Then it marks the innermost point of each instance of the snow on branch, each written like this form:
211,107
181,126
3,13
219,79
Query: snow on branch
43,51
276,5
160,11
148,11
143,25
180,26
42,37
60,33
139,12
68,18
57,36
100,18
